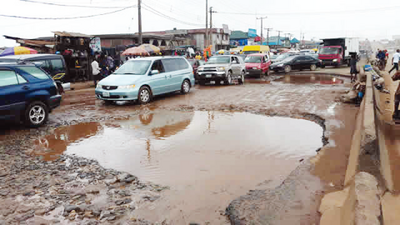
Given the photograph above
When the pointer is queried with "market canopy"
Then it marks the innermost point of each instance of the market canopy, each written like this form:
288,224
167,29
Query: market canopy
150,48
20,50
135,51
294,41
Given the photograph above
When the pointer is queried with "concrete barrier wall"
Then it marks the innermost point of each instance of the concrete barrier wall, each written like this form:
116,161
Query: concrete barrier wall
350,206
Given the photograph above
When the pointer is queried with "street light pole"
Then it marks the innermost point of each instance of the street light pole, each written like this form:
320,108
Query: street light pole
206,38
262,27
140,22
268,29
211,12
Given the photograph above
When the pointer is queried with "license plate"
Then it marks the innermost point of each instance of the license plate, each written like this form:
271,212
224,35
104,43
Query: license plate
212,82
247,72
208,75
106,94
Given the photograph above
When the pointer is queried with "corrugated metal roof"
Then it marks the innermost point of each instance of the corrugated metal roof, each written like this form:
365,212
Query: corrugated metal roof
237,34
71,34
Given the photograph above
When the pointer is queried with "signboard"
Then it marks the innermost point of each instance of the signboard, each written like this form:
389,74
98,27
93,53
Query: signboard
252,33
226,28
95,44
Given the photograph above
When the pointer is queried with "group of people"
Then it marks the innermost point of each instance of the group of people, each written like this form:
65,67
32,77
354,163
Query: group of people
382,56
102,66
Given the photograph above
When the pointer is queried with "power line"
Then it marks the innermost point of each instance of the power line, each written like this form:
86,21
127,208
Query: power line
66,18
75,6
154,11
316,13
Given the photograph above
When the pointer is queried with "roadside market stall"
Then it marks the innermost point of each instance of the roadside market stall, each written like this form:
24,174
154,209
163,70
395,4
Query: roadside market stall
135,51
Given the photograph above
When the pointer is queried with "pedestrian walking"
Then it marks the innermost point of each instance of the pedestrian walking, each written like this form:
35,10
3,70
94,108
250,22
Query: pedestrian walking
396,77
395,61
353,68
95,71
103,65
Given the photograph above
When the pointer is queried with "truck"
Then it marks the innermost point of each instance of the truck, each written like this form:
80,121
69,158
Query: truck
338,51
252,49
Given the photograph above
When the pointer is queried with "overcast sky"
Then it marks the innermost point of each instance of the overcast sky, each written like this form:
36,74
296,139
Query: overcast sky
315,18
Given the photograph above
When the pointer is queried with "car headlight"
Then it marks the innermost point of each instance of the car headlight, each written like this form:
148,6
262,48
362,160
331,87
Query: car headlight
127,86
255,68
335,60
280,65
200,69
221,68
98,86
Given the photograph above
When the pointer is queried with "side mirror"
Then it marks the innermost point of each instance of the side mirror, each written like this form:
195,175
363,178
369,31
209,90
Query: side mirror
153,72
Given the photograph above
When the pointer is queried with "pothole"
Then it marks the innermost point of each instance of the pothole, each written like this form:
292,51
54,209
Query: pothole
207,158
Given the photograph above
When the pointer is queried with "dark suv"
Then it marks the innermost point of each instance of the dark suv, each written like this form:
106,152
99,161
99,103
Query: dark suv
27,93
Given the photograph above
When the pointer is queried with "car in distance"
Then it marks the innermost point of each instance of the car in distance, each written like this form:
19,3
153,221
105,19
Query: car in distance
257,65
296,62
195,63
27,93
143,78
224,68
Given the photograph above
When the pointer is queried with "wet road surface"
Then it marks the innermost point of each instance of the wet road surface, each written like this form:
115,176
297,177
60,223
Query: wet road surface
202,131
211,156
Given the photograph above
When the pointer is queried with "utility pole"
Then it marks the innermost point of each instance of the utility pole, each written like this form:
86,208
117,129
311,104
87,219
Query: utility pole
211,12
206,38
262,27
268,30
289,37
279,36
140,22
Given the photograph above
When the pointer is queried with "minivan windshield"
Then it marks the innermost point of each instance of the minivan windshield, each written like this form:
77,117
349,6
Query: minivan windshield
133,67
253,59
219,60
329,51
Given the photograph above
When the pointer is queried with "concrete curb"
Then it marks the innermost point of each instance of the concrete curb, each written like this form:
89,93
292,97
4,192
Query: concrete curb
358,203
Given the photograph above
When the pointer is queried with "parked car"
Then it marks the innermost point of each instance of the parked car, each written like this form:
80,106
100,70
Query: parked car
222,68
257,65
282,57
195,63
296,62
143,78
51,63
27,93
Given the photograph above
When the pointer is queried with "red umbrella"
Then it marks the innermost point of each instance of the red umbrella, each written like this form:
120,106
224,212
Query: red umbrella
135,51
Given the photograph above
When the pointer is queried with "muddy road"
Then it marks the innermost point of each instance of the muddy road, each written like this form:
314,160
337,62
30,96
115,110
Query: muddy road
182,158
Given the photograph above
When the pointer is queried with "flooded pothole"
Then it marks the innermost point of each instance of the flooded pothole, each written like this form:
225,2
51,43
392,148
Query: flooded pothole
310,79
206,158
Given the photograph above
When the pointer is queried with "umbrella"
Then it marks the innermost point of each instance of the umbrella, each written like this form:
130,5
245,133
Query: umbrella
150,48
18,51
135,51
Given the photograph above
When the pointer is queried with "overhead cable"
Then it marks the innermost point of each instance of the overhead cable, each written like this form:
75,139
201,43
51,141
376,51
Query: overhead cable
75,6
154,11
65,18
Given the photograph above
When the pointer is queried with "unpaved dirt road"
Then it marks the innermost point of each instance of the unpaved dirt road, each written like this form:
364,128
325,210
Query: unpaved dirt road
175,146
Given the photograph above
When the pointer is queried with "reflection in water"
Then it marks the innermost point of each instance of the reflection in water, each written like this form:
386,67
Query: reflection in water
310,79
51,146
207,158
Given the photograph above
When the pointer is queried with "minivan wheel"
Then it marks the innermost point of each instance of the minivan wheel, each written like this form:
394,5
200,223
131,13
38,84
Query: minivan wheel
36,114
228,79
185,87
144,95
313,67
288,69
241,79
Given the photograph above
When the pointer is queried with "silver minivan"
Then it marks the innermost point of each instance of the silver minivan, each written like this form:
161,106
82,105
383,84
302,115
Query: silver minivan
142,78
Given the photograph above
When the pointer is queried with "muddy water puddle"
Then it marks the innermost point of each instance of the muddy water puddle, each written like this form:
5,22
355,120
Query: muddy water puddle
310,79
206,158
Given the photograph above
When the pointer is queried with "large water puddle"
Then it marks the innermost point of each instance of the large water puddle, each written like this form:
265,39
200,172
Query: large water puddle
310,79
207,158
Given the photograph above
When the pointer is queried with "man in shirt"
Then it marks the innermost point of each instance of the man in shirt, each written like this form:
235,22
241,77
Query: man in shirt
95,71
395,61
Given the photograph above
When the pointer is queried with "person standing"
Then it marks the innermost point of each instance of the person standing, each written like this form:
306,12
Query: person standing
95,71
395,61
396,77
353,68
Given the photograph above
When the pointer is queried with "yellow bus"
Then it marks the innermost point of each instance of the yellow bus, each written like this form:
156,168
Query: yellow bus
251,49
